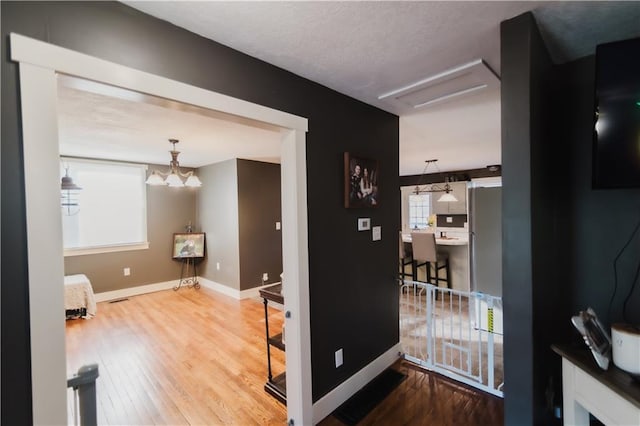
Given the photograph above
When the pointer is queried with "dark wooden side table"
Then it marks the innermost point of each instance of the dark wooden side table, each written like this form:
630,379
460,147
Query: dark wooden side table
276,386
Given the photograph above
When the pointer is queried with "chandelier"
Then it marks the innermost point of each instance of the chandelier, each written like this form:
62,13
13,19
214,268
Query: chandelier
444,198
174,175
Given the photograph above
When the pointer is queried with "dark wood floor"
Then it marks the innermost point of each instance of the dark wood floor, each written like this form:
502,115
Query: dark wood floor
198,357
426,398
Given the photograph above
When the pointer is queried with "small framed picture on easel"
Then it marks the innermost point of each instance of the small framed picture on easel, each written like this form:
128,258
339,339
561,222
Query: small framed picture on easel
188,245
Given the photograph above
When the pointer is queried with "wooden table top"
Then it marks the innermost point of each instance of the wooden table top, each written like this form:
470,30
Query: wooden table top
273,293
614,378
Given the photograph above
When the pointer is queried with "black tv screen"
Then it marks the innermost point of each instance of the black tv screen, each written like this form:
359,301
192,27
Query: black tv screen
616,136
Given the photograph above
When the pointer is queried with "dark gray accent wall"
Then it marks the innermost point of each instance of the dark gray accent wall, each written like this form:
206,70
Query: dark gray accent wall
218,218
525,65
169,210
259,208
601,221
353,290
454,176
457,220
560,237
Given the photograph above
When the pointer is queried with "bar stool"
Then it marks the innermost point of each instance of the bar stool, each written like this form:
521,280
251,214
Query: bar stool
406,259
425,254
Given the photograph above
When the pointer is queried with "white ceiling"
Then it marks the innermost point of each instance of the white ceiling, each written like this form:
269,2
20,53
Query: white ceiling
365,49
100,121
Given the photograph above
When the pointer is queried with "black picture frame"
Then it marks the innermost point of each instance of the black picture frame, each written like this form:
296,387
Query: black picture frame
361,183
188,245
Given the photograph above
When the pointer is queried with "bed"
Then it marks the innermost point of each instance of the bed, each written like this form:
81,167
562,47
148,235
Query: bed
79,300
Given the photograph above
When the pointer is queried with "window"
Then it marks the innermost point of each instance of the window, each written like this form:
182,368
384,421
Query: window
111,214
419,209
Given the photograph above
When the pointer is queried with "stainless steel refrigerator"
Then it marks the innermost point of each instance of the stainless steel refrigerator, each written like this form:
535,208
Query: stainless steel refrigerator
485,221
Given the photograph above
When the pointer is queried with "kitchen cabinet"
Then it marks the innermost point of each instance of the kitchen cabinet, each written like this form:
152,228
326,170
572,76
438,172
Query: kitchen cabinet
459,190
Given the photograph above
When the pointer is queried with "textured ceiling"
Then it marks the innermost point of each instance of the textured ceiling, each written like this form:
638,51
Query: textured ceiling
365,49
96,121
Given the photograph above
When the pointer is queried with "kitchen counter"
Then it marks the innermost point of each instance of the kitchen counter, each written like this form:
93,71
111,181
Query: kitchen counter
442,241
455,243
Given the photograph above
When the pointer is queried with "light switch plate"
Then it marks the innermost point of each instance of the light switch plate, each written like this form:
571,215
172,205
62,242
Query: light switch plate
364,223
449,219
277,226
377,233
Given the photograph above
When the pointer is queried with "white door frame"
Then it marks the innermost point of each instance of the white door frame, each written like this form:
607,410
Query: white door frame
39,62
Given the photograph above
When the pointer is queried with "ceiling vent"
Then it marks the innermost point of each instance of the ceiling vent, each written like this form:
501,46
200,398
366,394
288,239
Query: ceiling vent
453,83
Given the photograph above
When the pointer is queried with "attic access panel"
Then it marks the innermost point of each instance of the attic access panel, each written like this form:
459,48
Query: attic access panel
451,84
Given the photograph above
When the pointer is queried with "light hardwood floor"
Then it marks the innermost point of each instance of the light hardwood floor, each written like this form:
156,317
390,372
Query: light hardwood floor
187,357
195,357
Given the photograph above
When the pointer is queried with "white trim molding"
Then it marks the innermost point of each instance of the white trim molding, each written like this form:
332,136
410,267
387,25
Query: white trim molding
105,249
249,293
328,403
40,63
107,296
30,51
45,258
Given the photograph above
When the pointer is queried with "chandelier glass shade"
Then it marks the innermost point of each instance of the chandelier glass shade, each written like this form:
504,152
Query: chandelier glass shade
174,177
447,197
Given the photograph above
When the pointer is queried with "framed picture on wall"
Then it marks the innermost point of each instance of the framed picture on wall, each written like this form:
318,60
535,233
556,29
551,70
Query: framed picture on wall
360,182
189,244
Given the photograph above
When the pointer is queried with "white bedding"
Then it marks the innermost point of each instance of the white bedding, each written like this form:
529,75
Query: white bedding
78,294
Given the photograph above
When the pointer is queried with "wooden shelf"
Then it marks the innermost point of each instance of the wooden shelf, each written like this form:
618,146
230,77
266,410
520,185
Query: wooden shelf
278,387
277,341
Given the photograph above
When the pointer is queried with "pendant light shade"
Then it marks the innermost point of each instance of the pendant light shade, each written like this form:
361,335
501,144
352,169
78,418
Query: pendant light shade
193,182
69,194
155,179
174,181
447,197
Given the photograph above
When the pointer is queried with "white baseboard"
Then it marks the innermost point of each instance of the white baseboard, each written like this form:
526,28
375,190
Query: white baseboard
328,403
232,292
134,291
150,288
220,288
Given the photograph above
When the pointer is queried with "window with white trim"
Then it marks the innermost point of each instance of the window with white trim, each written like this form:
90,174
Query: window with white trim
111,211
419,210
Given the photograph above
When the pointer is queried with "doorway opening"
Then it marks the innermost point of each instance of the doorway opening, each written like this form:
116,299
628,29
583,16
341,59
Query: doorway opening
40,63
175,377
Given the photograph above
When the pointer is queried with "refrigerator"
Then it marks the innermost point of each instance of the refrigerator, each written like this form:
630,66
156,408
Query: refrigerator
485,240
485,231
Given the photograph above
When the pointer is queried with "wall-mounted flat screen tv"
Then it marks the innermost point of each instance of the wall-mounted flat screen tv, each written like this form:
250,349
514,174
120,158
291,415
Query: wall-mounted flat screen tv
616,136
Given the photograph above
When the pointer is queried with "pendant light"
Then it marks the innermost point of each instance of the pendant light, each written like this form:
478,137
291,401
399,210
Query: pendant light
447,197
69,194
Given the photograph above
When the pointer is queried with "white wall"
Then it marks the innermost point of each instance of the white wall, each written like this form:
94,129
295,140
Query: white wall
217,207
